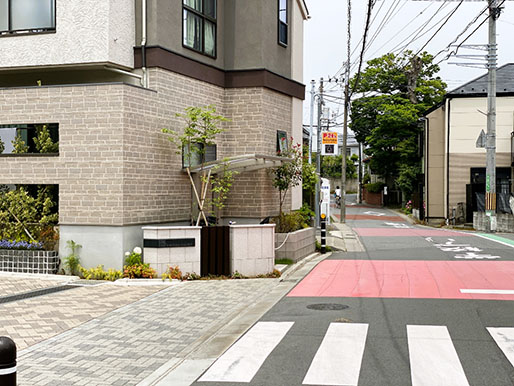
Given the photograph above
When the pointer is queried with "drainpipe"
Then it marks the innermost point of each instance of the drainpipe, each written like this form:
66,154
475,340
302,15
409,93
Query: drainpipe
144,79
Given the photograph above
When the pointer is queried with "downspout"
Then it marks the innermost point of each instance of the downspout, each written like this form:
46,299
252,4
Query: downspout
144,79
448,164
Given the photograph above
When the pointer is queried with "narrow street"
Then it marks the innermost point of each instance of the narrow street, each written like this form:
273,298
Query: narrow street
420,306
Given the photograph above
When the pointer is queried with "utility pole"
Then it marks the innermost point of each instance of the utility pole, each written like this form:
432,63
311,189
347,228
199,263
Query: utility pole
490,181
313,95
318,153
342,219
343,165
359,192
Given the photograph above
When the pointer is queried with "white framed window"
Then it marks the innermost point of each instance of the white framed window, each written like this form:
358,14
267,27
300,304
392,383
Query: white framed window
25,16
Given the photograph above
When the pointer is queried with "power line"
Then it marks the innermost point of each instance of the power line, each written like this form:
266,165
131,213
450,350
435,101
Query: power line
366,29
404,27
416,34
461,33
439,29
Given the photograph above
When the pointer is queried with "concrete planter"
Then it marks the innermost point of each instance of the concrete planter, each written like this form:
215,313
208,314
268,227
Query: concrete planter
43,262
504,222
251,249
299,244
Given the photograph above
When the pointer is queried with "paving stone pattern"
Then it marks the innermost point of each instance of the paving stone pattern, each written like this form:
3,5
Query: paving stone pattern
33,320
125,346
14,285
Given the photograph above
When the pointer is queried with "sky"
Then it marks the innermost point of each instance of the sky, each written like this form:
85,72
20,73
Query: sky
395,23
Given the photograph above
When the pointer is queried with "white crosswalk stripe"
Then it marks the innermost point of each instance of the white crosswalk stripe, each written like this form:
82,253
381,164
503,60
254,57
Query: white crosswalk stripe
242,361
433,358
504,338
338,360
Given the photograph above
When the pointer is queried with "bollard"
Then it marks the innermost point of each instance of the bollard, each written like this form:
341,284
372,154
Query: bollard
323,233
7,361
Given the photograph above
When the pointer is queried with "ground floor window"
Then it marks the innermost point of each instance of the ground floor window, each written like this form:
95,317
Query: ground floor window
29,138
28,216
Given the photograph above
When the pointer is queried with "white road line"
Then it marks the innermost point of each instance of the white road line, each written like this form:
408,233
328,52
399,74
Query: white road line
338,359
241,362
433,359
504,338
487,291
496,241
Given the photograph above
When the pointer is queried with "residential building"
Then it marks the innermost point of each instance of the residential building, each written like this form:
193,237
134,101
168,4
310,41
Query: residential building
454,167
107,76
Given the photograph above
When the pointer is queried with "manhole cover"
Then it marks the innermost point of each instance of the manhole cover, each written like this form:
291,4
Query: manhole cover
327,307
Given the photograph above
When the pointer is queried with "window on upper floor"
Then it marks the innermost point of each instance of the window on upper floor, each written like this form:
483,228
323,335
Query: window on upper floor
199,26
25,16
29,138
282,22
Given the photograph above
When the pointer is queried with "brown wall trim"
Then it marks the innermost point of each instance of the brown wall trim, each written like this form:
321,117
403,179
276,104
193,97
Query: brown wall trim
168,60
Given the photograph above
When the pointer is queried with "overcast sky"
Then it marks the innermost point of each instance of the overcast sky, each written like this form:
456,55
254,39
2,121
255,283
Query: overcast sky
397,22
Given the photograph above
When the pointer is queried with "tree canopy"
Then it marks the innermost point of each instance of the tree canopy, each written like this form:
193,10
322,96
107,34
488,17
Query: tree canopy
396,91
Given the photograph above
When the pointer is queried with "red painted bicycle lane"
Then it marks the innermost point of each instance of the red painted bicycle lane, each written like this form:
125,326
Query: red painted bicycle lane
410,279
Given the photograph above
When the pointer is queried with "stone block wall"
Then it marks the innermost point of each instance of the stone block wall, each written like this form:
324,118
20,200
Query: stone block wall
298,244
504,222
186,258
251,249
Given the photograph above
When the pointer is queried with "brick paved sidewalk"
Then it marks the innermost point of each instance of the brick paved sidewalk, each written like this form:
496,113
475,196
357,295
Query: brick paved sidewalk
33,320
125,346
15,284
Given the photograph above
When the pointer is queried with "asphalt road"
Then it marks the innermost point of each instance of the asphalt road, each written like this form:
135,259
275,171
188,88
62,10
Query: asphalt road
420,306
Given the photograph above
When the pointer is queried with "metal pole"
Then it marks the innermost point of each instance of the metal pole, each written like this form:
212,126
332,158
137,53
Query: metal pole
490,196
7,361
313,94
318,152
323,234
343,165
359,193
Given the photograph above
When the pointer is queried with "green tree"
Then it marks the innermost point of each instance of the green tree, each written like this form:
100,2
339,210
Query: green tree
202,127
331,167
402,88
43,141
19,145
289,174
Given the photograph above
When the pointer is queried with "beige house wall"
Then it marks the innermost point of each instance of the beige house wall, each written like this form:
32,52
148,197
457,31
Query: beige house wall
465,122
435,164
115,167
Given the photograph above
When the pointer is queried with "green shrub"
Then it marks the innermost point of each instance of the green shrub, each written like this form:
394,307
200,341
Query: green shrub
98,273
72,261
134,257
375,187
138,271
172,273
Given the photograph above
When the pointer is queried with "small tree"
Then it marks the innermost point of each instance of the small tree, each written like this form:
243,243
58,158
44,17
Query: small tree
220,187
19,145
289,174
43,141
200,131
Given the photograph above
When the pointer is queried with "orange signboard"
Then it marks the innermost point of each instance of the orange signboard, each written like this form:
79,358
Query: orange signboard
329,138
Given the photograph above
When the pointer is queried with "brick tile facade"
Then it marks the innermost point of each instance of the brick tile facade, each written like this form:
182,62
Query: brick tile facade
115,167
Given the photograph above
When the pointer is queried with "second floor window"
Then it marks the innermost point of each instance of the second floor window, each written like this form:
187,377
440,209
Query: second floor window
18,16
282,22
200,26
